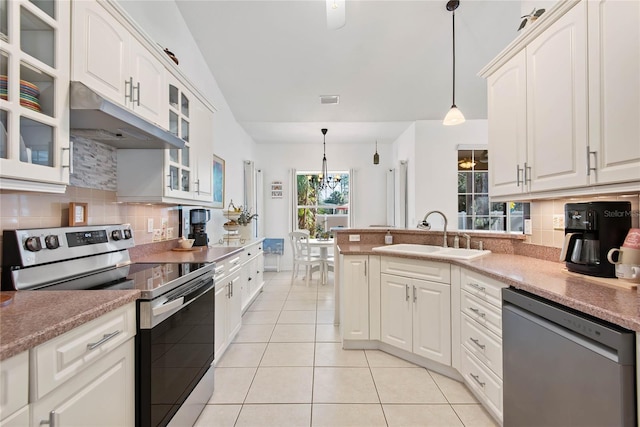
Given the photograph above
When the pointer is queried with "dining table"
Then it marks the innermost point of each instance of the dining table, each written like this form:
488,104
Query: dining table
323,245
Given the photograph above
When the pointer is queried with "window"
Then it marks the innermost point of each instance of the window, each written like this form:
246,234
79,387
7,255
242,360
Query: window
475,209
320,210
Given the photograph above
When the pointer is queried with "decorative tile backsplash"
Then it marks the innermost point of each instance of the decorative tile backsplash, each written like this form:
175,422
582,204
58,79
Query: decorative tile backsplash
95,165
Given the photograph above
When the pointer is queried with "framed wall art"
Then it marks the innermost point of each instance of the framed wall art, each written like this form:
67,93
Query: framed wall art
218,182
78,214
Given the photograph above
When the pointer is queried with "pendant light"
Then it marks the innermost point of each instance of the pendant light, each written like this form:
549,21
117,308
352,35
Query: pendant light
376,157
454,116
324,181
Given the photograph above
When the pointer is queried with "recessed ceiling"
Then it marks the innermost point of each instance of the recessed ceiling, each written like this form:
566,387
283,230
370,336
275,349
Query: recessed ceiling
390,63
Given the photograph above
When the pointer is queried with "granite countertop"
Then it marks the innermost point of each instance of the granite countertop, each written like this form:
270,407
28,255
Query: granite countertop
30,318
547,279
210,254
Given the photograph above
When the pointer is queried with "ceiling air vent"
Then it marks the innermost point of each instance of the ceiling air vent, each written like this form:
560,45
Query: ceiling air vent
329,99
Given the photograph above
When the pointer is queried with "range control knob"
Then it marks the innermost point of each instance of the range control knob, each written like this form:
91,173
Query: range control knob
33,244
116,235
127,233
52,242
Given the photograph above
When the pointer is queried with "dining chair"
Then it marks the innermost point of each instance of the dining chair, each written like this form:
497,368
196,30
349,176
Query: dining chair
302,255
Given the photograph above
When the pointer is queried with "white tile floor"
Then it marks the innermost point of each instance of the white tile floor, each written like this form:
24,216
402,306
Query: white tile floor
286,368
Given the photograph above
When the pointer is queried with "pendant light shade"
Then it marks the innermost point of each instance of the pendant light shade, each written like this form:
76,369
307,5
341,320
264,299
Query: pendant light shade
454,116
376,157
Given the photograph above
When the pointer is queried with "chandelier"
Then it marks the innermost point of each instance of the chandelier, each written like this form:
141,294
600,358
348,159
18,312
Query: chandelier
324,180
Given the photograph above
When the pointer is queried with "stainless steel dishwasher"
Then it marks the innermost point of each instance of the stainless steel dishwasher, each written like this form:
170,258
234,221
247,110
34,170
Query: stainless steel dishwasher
564,368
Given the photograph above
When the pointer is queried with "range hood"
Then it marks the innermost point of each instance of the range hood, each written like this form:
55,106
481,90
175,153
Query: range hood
96,118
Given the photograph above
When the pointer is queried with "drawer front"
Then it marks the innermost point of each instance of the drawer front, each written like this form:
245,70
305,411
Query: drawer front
483,344
487,386
485,288
418,269
482,312
227,266
14,384
63,357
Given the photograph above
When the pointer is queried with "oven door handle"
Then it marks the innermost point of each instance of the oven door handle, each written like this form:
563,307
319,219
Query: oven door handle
157,311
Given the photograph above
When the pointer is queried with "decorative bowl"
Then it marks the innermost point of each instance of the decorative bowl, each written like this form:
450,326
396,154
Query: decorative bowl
186,243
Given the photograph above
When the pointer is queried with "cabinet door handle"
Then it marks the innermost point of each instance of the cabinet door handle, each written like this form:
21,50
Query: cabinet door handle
595,156
170,182
51,422
365,269
136,100
128,94
477,342
105,338
197,183
518,170
70,150
527,174
231,290
406,292
478,312
415,294
477,379
478,287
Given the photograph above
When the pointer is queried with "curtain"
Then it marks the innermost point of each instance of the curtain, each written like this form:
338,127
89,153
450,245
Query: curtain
352,192
293,200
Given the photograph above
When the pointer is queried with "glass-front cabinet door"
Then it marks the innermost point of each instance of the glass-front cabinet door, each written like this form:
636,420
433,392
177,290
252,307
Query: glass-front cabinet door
178,161
35,151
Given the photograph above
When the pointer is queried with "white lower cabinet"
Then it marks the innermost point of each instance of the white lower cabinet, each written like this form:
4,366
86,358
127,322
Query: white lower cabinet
87,375
415,316
360,293
415,307
252,273
486,385
102,395
14,390
481,338
228,314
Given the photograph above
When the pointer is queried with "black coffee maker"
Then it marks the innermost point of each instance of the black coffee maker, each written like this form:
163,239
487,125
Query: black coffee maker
198,219
591,229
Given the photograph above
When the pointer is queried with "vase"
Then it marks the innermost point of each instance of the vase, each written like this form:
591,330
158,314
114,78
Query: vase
246,232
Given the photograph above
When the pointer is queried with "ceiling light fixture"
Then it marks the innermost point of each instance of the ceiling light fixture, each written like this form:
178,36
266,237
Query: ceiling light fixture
454,116
324,180
466,163
335,14
376,157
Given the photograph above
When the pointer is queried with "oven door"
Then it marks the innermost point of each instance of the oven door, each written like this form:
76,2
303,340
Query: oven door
174,351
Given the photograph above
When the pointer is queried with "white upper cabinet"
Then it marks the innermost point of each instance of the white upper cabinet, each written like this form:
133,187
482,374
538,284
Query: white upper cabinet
614,90
557,104
507,107
109,59
34,86
577,117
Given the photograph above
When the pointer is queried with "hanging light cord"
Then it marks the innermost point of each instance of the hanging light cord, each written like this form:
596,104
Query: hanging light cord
453,26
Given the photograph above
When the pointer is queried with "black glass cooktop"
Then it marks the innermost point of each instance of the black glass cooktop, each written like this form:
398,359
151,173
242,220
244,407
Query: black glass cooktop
150,278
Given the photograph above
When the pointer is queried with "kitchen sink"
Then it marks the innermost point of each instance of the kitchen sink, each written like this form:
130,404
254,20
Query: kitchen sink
432,251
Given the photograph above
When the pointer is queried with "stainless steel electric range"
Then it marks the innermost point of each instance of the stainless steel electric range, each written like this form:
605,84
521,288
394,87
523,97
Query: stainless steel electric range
174,341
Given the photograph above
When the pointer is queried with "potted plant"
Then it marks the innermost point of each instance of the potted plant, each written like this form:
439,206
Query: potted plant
244,219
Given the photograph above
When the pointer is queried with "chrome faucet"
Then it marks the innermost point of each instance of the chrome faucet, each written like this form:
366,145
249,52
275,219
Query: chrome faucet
466,236
424,225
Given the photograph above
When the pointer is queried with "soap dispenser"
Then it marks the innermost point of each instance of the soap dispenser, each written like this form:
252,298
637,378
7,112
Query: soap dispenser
388,238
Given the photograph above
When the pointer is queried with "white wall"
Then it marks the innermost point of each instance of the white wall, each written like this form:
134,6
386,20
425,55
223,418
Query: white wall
162,21
404,150
277,160
432,166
